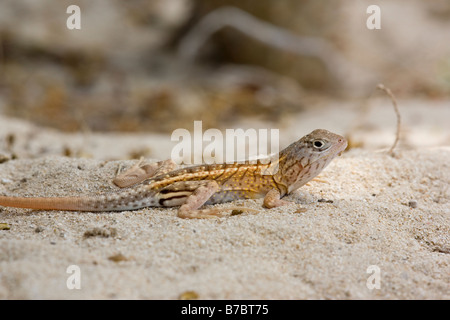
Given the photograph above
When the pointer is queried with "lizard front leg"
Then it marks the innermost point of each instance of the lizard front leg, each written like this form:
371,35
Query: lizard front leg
138,173
273,199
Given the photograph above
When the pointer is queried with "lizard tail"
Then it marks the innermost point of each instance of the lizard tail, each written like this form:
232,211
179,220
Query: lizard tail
51,203
107,202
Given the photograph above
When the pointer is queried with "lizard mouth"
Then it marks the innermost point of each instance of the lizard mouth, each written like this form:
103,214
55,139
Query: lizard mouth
343,147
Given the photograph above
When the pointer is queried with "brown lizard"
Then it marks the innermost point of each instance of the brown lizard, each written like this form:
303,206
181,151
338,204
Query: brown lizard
162,185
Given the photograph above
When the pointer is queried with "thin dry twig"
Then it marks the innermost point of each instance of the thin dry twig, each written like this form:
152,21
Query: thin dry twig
397,112
268,34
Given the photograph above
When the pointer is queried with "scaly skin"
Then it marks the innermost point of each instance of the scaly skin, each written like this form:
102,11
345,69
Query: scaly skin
158,185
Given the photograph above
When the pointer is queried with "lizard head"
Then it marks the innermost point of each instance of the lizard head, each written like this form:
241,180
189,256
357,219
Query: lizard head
320,146
307,157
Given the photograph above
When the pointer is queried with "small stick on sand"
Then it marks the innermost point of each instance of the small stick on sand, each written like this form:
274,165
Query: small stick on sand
397,112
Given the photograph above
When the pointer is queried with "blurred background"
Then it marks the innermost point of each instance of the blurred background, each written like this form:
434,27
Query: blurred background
158,65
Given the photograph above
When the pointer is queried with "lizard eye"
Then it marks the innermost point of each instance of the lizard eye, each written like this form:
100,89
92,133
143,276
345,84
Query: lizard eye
320,145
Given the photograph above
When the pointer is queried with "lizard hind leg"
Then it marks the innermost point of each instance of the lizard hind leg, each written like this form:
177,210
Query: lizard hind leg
190,209
138,172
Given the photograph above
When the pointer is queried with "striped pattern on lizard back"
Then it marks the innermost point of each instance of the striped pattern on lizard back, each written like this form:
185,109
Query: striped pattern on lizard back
191,187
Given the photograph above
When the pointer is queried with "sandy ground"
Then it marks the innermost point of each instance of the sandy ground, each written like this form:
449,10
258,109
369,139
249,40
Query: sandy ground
370,210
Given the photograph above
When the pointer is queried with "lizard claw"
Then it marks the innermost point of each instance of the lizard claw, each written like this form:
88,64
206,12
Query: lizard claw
200,214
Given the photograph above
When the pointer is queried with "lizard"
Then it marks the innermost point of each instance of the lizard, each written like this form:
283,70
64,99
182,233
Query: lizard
162,184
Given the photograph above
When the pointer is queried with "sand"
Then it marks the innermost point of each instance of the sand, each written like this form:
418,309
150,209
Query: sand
370,211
